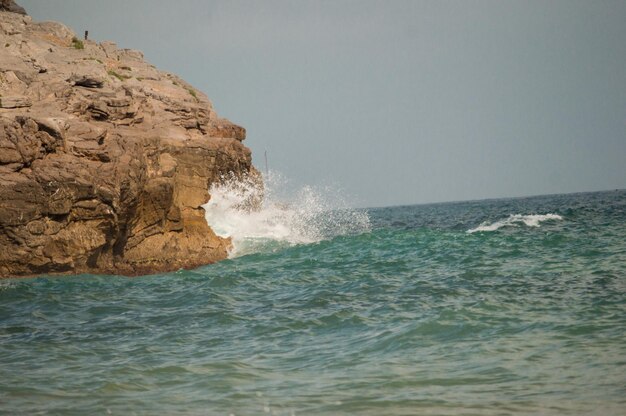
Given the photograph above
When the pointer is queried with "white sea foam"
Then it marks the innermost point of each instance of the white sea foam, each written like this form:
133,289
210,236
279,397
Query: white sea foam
515,220
260,217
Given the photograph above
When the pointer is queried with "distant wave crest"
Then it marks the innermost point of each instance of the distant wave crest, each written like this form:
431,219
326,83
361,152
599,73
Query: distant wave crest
515,220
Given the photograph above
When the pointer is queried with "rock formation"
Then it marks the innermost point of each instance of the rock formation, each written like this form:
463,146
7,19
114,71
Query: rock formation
105,161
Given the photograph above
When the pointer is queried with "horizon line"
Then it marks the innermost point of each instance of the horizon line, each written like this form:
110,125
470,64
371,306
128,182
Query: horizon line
491,198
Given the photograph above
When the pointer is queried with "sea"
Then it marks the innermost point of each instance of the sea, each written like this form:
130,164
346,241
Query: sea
494,307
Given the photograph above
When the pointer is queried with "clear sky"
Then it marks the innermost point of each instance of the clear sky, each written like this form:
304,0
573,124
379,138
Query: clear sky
398,102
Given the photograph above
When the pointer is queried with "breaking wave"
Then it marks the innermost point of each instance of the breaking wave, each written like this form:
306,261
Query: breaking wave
516,220
270,216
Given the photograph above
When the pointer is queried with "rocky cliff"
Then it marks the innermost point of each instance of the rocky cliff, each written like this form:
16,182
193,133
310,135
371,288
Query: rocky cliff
105,161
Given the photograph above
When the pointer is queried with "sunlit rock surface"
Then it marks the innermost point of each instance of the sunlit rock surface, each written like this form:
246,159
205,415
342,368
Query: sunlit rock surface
105,161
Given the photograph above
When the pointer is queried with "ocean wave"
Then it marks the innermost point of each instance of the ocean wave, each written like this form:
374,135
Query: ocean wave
6,285
515,220
269,216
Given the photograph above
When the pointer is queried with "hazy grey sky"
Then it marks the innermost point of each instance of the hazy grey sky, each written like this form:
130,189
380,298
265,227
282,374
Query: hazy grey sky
398,101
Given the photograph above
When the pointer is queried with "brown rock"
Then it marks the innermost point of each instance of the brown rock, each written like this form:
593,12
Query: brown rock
89,81
104,160
224,128
14,102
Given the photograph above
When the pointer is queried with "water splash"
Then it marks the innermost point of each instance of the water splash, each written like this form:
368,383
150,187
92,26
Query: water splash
273,216
515,220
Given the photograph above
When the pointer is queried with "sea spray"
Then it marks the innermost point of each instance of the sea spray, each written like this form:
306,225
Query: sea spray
273,215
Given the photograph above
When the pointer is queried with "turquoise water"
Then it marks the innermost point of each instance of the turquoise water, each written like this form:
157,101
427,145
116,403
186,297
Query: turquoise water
524,315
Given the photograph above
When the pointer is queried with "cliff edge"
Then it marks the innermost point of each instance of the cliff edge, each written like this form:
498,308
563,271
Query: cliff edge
105,161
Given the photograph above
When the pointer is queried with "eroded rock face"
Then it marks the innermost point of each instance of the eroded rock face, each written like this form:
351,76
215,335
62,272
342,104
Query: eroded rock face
104,160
